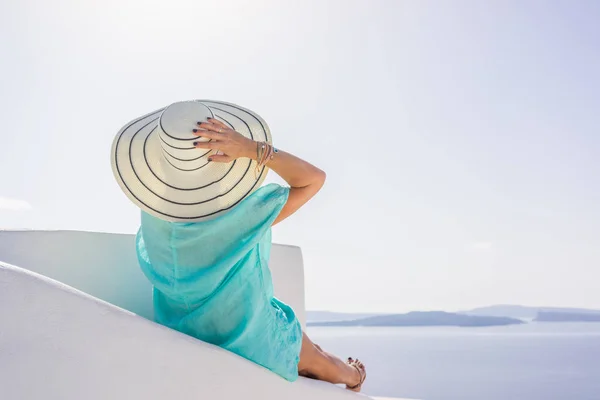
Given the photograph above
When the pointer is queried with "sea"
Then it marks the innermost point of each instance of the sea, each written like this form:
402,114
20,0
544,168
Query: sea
533,361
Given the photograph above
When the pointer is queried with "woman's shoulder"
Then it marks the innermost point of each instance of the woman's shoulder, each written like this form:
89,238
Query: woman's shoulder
261,207
272,192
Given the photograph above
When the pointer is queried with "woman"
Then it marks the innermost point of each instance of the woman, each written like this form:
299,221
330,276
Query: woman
195,169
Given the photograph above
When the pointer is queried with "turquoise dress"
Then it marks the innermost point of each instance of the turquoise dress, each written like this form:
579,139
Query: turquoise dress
212,281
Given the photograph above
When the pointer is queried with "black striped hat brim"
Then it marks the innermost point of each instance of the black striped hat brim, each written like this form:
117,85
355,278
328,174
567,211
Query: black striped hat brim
171,192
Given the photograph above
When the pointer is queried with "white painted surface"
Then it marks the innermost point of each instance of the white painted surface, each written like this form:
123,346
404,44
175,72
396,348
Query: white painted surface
105,266
59,343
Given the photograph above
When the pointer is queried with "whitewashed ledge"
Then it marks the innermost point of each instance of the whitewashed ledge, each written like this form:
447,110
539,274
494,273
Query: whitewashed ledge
389,398
74,324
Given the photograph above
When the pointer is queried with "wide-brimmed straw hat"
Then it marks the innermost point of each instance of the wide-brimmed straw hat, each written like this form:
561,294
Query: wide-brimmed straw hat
158,167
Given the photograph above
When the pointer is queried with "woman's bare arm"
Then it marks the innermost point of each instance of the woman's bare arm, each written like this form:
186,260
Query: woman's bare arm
305,179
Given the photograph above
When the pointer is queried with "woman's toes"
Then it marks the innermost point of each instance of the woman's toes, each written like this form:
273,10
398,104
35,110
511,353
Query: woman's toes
360,373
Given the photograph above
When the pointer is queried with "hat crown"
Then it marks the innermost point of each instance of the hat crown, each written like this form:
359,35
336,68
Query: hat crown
175,129
178,120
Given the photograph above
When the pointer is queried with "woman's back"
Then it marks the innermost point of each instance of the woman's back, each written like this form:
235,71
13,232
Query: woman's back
211,280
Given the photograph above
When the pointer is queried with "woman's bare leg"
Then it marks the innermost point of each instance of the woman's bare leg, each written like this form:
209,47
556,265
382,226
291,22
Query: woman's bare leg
318,364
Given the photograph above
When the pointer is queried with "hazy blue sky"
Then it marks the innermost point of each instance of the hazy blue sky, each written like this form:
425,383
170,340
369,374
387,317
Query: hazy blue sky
460,138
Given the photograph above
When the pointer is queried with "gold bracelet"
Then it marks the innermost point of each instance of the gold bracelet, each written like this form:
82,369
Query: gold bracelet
265,152
260,151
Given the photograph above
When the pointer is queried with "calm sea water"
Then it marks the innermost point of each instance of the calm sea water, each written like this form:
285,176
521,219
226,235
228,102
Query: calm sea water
536,361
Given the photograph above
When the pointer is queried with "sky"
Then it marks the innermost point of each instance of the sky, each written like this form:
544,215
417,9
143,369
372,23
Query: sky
460,138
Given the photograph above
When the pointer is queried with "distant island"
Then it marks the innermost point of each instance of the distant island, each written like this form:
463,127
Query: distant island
429,318
524,312
495,315
553,316
329,316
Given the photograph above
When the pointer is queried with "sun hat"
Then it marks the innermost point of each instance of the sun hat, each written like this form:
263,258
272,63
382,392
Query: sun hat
160,170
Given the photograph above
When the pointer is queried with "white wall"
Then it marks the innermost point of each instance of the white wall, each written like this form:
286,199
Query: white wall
57,343
105,266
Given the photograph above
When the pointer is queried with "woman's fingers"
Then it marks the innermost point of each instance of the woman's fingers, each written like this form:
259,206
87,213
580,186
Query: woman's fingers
213,126
208,126
217,122
222,158
206,133
206,145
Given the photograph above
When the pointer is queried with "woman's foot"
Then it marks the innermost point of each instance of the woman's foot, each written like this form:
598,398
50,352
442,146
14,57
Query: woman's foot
361,374
318,364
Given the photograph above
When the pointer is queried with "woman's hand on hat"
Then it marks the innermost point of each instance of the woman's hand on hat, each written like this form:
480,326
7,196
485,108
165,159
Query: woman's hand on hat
232,144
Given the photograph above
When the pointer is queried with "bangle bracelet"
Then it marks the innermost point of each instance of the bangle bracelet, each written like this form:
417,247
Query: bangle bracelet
260,151
264,154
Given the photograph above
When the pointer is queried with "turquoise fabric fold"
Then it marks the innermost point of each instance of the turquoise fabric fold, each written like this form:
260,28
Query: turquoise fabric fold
212,281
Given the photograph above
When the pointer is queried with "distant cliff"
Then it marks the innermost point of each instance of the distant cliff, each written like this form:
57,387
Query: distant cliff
550,316
432,318
525,312
330,316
